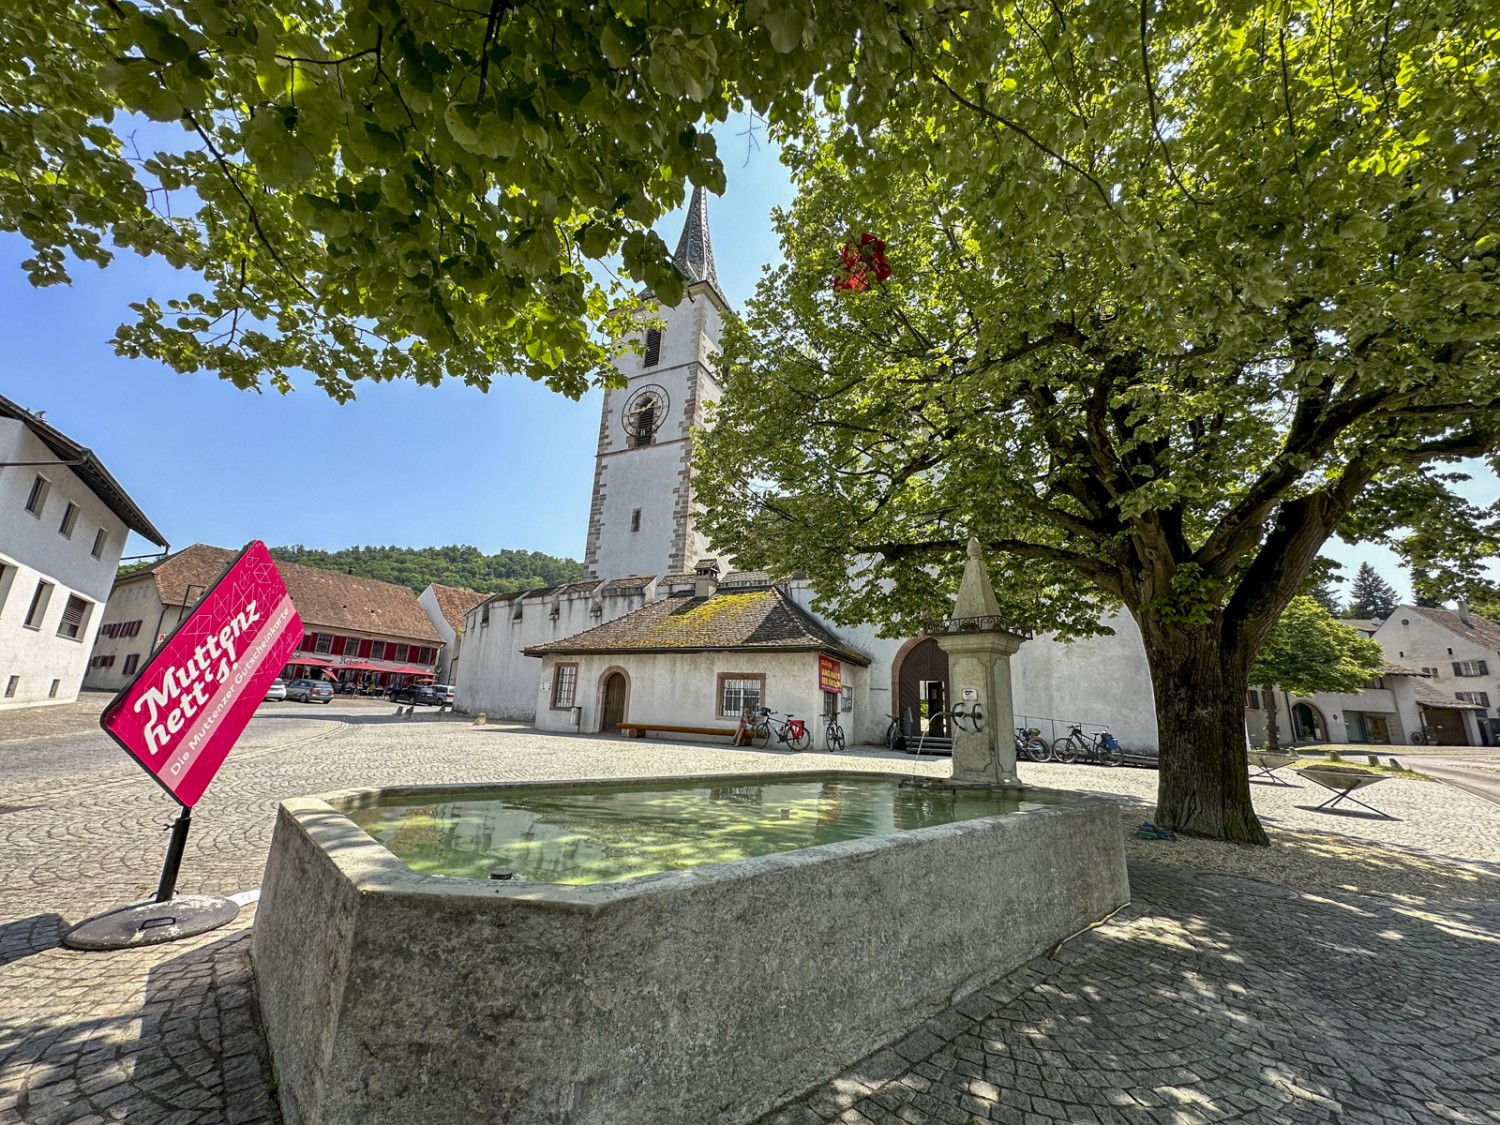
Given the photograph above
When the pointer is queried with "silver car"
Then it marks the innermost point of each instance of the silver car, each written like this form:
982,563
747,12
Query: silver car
443,693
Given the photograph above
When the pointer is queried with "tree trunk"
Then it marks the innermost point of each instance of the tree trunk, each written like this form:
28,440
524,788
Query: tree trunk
1200,679
1273,732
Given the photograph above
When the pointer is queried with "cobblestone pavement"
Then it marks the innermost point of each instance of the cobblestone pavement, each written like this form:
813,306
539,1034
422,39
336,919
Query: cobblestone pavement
1192,1003
1211,998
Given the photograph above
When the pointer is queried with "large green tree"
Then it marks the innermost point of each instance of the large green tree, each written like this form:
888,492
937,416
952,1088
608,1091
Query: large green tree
1179,292
390,188
1308,651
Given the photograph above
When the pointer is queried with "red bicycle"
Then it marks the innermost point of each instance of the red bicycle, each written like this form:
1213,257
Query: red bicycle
791,731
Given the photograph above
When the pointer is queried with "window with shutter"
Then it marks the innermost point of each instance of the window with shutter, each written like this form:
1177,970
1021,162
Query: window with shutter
1471,668
74,615
130,663
325,643
653,347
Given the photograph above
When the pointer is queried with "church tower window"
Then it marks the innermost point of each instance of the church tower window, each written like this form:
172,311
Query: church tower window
653,347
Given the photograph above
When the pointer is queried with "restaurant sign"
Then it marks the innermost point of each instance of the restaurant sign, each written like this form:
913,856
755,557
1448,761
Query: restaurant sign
829,674
182,714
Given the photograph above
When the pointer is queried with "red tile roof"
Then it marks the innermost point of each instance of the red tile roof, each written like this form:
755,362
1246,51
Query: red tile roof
762,619
455,602
325,599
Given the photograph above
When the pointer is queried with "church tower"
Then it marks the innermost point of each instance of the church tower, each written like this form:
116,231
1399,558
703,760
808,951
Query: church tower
641,519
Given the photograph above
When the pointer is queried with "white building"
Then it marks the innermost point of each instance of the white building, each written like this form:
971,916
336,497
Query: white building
446,607
63,524
1460,652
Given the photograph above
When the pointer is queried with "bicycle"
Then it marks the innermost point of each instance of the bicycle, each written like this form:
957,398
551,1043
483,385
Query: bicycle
1031,745
833,735
893,733
791,731
1102,747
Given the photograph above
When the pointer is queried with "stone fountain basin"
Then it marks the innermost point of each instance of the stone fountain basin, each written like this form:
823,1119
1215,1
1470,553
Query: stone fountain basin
711,994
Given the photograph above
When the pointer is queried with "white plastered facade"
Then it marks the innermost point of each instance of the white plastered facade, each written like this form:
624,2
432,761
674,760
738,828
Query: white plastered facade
39,664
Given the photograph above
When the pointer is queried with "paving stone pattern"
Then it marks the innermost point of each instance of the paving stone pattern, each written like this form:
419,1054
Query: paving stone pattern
1210,998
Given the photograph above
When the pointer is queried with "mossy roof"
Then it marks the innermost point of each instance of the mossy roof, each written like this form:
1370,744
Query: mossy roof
756,619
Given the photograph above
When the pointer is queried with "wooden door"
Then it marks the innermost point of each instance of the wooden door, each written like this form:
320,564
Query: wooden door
924,666
1445,725
612,711
1377,730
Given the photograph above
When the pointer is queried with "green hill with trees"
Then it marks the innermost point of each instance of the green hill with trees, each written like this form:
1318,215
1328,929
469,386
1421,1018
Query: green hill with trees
416,567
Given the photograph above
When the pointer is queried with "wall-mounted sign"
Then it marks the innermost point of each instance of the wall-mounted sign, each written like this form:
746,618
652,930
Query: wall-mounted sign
182,714
830,674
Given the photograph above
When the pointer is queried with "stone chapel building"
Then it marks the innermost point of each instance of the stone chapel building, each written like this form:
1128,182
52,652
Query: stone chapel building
663,631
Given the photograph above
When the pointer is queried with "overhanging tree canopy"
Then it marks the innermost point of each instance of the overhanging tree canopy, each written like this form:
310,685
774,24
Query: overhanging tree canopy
388,188
1178,293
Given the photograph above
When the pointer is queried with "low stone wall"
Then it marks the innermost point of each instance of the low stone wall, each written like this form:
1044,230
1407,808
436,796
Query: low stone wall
708,995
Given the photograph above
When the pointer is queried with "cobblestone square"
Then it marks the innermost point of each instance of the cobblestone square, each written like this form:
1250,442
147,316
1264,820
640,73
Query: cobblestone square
1350,980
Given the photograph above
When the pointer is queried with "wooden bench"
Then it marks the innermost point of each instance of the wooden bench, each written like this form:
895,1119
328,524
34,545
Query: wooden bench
638,730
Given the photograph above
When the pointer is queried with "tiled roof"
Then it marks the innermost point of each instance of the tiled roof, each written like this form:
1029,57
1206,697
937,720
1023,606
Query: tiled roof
746,578
455,602
324,598
1481,630
629,582
1363,624
1429,696
87,468
761,619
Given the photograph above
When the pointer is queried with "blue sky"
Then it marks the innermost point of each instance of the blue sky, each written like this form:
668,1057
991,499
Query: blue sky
403,464
415,466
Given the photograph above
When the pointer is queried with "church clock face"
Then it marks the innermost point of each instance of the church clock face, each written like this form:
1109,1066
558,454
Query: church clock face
645,411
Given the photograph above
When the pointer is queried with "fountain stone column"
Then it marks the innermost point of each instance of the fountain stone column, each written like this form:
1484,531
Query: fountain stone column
979,643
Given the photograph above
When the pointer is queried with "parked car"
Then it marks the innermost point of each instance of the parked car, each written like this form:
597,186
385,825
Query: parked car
414,693
276,692
310,691
444,693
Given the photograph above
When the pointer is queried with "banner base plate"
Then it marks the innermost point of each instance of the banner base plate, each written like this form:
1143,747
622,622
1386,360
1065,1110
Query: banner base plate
150,923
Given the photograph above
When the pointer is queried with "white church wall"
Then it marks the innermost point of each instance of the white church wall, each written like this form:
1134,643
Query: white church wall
1098,681
495,676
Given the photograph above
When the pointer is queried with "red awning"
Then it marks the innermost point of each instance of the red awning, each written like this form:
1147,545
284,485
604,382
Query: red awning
411,670
311,661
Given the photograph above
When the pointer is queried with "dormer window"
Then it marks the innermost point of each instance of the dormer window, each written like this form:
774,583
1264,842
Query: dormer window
653,347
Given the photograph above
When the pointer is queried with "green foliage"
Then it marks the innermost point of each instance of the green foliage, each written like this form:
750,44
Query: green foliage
1308,651
380,189
1179,292
417,567
1172,304
1319,584
1370,595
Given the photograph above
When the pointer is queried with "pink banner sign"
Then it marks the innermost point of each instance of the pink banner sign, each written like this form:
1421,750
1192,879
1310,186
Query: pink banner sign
183,713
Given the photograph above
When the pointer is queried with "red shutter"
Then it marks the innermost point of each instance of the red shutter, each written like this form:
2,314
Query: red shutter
338,646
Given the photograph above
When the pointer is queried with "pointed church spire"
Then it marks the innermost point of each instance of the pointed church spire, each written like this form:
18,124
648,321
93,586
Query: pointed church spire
695,250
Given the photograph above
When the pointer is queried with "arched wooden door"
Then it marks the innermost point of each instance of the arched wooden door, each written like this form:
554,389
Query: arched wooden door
612,710
922,689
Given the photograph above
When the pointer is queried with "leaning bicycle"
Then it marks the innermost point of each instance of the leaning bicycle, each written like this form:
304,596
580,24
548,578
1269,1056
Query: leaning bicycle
833,735
1031,746
789,731
1102,747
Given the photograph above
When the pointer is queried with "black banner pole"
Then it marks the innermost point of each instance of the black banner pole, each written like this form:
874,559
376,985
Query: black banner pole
175,848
